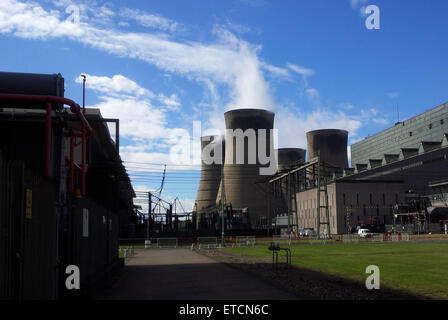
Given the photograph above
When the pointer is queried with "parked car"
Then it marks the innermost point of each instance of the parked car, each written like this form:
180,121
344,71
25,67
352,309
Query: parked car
309,232
364,233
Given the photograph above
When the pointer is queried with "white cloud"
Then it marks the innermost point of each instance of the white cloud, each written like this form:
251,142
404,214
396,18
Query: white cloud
300,70
254,3
393,95
292,126
346,106
228,60
117,85
360,6
150,20
277,71
171,103
381,121
356,3
312,93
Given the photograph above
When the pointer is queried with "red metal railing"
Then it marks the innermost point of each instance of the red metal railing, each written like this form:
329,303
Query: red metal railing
86,131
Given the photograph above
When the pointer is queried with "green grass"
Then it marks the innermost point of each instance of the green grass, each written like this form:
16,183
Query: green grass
418,268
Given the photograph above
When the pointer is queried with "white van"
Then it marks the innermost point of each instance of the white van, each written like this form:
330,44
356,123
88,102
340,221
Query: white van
363,233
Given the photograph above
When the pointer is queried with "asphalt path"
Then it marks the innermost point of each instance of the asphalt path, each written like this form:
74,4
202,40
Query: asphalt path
182,274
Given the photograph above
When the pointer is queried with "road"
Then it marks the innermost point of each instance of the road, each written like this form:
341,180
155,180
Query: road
182,274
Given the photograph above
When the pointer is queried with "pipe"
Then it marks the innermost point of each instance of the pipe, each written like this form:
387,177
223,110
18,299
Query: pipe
83,94
83,150
74,107
48,151
72,168
87,130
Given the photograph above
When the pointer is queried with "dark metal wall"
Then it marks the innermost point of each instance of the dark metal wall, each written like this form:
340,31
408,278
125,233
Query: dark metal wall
95,249
28,252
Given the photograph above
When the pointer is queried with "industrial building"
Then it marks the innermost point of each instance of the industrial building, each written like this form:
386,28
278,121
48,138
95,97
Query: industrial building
63,190
404,165
403,138
385,175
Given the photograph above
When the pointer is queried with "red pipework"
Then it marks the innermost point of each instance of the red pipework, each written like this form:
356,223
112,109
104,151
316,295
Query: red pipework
74,107
86,129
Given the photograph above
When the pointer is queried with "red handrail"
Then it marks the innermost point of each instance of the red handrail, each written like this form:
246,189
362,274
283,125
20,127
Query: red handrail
86,129
74,107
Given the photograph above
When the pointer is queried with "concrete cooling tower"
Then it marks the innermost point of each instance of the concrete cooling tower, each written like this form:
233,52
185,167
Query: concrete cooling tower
210,173
242,185
331,144
288,157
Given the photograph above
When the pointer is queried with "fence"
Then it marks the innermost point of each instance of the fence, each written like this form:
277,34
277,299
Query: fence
284,238
167,243
317,240
400,237
127,252
245,241
350,238
377,237
209,242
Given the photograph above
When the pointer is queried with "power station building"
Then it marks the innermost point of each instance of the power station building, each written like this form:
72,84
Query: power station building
324,193
408,160
403,138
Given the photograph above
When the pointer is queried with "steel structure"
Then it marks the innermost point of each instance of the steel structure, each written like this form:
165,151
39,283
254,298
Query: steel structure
313,174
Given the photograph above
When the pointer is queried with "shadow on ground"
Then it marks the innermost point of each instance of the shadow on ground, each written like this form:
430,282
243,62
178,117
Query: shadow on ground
187,275
307,284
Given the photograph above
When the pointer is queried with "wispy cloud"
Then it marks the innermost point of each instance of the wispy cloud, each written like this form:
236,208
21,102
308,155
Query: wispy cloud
312,93
393,95
254,3
360,6
115,85
228,60
300,70
149,20
293,125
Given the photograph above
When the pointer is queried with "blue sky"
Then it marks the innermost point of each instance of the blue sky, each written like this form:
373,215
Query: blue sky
160,65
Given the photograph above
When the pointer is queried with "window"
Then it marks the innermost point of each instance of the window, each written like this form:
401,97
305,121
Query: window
410,133
343,198
364,210
370,196
430,126
441,121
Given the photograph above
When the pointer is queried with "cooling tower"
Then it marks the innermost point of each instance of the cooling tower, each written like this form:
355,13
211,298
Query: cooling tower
288,157
242,182
331,144
210,173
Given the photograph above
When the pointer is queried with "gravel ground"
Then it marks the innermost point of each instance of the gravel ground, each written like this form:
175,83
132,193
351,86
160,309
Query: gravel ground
304,283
